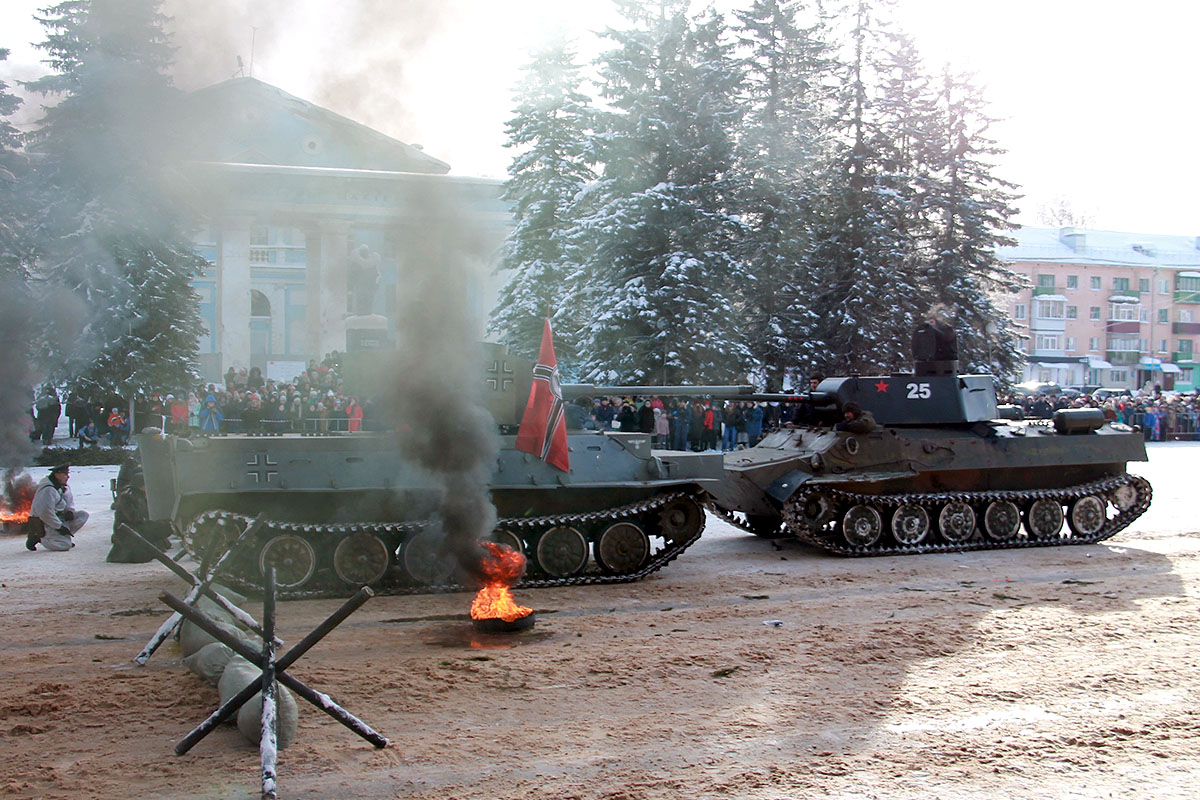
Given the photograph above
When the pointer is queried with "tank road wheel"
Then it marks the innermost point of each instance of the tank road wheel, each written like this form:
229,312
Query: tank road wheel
425,561
293,559
862,526
1086,516
910,523
1124,497
680,519
361,559
815,511
956,522
562,552
1044,519
508,539
1001,520
622,548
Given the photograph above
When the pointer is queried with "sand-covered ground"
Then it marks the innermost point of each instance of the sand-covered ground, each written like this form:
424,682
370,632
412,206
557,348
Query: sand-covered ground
1064,672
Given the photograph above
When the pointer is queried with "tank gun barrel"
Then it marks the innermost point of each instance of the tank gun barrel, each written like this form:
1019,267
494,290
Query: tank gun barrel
573,390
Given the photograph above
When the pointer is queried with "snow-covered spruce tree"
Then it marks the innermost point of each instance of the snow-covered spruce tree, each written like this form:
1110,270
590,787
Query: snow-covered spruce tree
549,131
15,203
113,258
903,135
16,318
972,209
787,98
660,277
865,303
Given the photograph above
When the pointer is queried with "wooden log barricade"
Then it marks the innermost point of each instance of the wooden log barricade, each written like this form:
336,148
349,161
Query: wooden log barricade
280,665
267,751
201,585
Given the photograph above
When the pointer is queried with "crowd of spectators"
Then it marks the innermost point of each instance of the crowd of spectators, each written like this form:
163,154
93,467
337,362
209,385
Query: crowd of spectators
315,401
1162,416
681,423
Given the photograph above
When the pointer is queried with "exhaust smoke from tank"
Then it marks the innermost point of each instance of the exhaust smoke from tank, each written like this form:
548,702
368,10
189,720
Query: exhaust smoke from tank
435,397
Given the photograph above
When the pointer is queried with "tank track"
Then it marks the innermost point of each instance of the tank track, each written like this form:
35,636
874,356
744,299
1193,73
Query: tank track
827,533
739,520
244,575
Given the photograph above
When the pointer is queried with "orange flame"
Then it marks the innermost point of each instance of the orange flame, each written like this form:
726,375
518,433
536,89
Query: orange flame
17,498
500,569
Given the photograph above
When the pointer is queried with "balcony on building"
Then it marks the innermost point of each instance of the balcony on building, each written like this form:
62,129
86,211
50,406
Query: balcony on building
1185,328
1122,326
1122,358
1048,313
1187,287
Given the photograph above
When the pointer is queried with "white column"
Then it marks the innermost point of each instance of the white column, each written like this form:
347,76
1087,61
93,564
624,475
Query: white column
325,287
233,293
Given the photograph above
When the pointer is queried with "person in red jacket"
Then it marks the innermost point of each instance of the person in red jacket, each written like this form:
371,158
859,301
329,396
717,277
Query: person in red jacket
355,413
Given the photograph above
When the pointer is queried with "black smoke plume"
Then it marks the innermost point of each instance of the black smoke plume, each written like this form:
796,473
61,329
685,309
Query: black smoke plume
438,374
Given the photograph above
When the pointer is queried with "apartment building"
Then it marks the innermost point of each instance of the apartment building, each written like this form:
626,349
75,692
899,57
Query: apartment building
1107,308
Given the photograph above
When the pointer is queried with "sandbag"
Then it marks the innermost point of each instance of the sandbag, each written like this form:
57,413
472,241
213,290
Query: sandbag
209,662
192,638
237,675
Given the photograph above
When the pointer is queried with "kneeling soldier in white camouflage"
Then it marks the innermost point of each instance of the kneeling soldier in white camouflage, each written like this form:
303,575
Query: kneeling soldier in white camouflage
53,519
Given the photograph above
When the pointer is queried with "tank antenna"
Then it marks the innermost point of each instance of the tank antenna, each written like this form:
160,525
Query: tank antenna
253,36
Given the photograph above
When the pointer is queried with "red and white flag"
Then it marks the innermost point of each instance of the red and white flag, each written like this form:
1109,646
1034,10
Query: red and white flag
543,430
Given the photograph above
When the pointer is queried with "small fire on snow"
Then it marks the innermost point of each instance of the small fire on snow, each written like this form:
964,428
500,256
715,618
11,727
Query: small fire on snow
17,498
500,568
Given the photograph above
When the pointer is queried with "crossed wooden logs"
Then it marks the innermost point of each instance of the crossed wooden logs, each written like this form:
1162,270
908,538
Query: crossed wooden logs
273,669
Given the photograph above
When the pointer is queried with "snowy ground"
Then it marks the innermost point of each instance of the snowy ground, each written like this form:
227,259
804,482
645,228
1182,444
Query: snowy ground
1065,672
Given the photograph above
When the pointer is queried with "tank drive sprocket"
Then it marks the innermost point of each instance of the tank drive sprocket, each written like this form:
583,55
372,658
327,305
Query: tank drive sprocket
858,524
614,545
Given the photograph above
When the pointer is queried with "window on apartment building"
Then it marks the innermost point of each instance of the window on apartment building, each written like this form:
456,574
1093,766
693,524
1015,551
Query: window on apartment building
1143,284
1164,315
1185,376
1070,346
1094,312
1051,309
1022,345
1185,346
1119,376
1185,315
1186,284
1095,283
1094,344
1144,315
1162,345
1072,281
1164,287
1120,284
1125,312
1072,312
1048,341
1019,311
1045,281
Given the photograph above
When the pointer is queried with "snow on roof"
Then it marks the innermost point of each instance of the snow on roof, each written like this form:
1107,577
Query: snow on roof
1102,247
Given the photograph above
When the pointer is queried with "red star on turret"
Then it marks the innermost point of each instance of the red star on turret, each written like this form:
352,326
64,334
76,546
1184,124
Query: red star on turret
881,386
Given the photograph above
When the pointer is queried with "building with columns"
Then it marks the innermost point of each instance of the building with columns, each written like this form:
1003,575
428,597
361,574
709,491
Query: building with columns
307,218
1107,308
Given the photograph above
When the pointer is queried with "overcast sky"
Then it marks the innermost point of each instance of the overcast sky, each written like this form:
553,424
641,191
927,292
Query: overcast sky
1096,97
